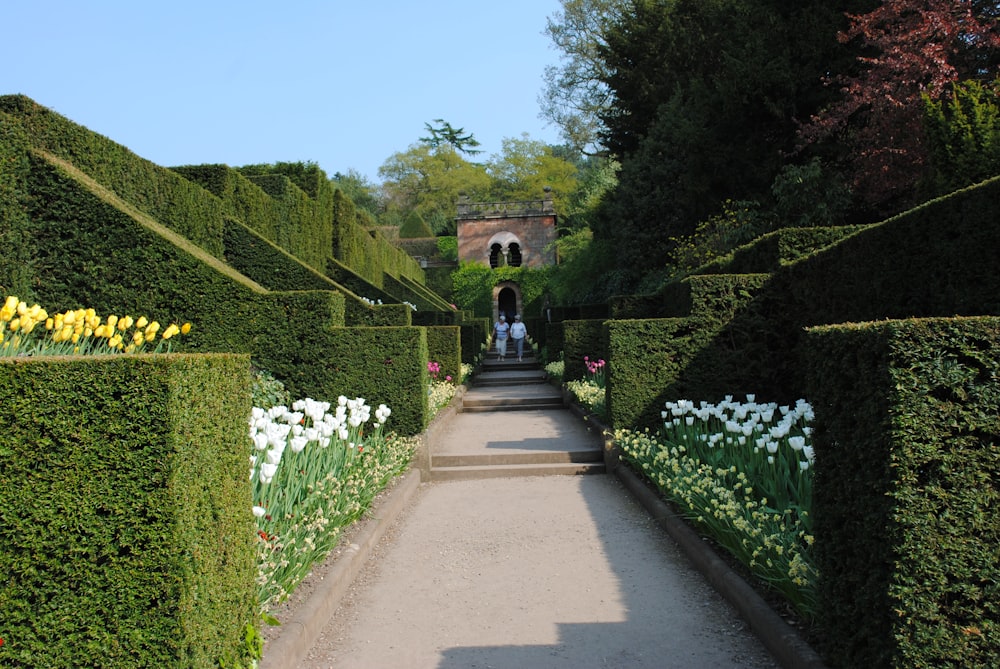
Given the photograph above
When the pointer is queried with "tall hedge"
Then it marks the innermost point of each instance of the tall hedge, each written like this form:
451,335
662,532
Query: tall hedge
126,538
907,491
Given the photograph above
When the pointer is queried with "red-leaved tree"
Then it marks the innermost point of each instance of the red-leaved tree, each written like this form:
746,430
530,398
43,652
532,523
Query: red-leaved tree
907,48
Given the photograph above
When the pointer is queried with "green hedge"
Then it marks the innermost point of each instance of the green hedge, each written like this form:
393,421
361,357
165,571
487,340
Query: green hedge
580,339
18,249
444,347
906,496
126,538
275,269
769,252
275,207
938,259
475,334
162,194
291,334
646,359
707,355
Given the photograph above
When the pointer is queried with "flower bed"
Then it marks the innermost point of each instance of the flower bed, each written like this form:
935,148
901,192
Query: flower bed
742,473
314,471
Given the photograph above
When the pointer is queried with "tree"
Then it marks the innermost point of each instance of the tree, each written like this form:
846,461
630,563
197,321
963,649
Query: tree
525,167
705,97
910,48
575,94
444,135
362,192
429,180
963,136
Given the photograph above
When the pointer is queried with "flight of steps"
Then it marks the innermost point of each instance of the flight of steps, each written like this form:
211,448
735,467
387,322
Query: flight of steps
513,422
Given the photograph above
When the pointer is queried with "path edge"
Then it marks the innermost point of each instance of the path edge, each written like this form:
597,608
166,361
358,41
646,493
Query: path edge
299,635
782,640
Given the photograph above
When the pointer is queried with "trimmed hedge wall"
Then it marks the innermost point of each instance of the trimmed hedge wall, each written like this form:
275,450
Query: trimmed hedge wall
82,234
707,355
165,195
300,210
475,334
583,338
274,207
444,346
939,259
907,491
262,261
126,537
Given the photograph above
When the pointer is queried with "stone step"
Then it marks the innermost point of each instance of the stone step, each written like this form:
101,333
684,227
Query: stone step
510,377
513,406
513,471
516,458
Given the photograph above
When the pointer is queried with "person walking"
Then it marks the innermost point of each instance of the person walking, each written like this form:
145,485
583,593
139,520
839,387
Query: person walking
518,332
501,329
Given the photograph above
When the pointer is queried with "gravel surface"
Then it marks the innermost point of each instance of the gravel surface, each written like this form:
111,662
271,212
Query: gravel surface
552,571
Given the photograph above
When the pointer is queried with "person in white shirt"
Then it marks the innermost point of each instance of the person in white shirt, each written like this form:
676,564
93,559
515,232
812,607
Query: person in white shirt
500,331
518,332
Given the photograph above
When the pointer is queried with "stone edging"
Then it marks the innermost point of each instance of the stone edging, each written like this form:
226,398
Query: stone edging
299,635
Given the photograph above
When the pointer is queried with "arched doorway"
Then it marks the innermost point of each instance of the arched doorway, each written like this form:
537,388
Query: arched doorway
506,300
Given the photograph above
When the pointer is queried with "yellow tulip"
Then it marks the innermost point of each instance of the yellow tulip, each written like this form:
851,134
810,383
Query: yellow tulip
138,338
15,324
69,317
22,308
115,342
150,335
125,323
185,328
171,330
112,322
66,332
130,348
59,321
152,328
76,340
88,331
141,323
101,331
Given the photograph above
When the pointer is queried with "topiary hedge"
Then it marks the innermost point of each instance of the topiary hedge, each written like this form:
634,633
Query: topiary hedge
906,495
126,537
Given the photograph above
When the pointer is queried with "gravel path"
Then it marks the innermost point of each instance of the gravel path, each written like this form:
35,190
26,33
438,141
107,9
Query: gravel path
553,571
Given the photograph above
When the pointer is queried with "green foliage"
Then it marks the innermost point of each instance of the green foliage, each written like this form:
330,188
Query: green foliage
447,248
582,339
428,181
444,347
807,195
963,136
267,391
738,223
524,168
414,227
18,250
126,537
691,130
473,287
906,499
585,273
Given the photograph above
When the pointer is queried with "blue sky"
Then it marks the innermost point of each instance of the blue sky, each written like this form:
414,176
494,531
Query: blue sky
341,83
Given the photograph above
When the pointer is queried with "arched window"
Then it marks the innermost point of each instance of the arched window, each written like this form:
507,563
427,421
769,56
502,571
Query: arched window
496,257
514,254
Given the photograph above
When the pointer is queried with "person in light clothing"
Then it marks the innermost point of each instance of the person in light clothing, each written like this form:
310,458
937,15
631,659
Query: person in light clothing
500,331
518,332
